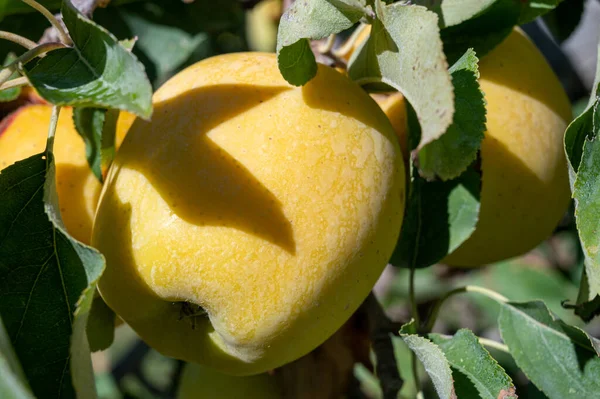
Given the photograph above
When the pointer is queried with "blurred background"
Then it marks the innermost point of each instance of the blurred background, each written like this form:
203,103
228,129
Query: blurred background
173,34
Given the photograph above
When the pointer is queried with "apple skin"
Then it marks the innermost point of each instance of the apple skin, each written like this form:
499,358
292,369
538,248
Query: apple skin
273,207
525,184
24,133
199,382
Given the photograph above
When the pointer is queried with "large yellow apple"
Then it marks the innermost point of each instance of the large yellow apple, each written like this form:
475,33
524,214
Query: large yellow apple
200,382
24,133
525,186
249,219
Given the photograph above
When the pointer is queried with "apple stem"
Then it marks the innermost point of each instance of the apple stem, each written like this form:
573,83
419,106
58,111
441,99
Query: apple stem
468,288
7,71
490,343
20,40
22,81
52,129
64,37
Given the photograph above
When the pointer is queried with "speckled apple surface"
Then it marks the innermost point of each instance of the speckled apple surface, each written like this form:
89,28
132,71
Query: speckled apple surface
273,207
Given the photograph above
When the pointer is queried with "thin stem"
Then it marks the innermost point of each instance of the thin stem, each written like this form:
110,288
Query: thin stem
31,54
17,82
412,298
487,342
6,73
469,288
64,37
52,129
20,40
494,344
415,316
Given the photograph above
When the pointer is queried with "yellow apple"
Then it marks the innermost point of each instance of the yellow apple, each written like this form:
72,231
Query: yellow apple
24,133
525,186
199,382
249,219
262,22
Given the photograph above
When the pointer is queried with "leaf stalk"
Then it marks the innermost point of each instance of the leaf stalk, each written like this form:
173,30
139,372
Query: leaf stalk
52,129
18,82
468,288
20,40
64,37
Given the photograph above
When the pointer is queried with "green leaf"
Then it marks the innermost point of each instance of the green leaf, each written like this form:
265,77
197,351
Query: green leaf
97,72
531,9
304,20
439,216
564,19
451,154
483,32
10,386
588,305
587,205
89,123
11,94
583,154
297,63
97,127
13,384
166,46
483,24
454,12
43,273
466,355
435,363
561,360
575,136
128,44
101,325
404,51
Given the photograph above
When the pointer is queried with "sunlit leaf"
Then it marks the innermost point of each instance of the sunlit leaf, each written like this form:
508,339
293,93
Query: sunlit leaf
469,358
451,154
97,72
559,359
404,51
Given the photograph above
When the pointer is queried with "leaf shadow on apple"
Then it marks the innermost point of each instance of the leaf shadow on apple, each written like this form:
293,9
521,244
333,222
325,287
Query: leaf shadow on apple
201,182
519,206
